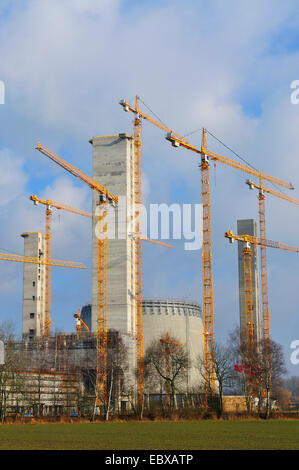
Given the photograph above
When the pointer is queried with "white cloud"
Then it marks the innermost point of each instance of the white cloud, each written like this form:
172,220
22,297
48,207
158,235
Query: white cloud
13,177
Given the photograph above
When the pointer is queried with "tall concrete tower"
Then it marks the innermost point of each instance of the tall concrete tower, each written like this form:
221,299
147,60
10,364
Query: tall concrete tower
249,227
113,167
33,286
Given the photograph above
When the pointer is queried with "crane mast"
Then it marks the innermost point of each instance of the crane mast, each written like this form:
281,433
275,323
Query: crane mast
207,279
48,250
264,281
247,254
101,383
139,115
138,256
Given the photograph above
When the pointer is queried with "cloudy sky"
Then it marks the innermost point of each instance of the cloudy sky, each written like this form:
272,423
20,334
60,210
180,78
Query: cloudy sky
227,66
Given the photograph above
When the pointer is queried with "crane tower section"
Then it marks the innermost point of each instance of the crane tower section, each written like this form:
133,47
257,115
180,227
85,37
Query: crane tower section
249,226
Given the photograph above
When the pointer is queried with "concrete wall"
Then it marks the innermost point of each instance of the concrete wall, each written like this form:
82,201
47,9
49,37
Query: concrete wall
182,320
33,286
249,227
112,158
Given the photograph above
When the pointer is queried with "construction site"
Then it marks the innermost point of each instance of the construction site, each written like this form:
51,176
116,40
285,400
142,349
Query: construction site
100,365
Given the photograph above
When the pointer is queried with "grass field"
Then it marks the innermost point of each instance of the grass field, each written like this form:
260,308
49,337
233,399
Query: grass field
191,435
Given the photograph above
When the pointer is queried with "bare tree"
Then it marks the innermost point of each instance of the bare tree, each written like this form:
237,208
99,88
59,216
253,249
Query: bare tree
259,377
11,381
117,366
168,360
224,373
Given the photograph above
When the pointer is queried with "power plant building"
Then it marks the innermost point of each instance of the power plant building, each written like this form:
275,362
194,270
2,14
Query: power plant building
33,286
183,321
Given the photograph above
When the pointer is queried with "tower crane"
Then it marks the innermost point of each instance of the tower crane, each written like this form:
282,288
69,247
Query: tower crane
104,197
262,190
48,250
249,240
206,156
139,116
138,257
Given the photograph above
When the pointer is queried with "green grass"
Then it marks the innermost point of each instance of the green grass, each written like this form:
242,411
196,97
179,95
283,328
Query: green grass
150,436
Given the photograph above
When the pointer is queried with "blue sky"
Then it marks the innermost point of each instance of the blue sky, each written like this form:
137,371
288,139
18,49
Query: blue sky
227,66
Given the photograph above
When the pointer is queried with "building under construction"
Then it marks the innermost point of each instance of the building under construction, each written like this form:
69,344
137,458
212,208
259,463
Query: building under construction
112,158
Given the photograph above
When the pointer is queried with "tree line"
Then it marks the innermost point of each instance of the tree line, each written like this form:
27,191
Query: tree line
53,381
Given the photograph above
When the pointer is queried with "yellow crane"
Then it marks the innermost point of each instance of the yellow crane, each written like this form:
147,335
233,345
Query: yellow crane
262,190
104,197
80,324
139,116
249,240
48,250
206,156
41,260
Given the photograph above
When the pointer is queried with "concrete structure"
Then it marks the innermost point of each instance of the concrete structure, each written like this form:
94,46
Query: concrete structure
112,158
249,227
182,320
33,286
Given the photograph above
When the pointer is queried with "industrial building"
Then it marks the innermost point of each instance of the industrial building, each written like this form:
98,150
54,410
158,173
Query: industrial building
112,166
182,320
33,286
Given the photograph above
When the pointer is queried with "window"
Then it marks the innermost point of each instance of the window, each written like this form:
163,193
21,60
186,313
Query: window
31,331
31,315
33,297
33,283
